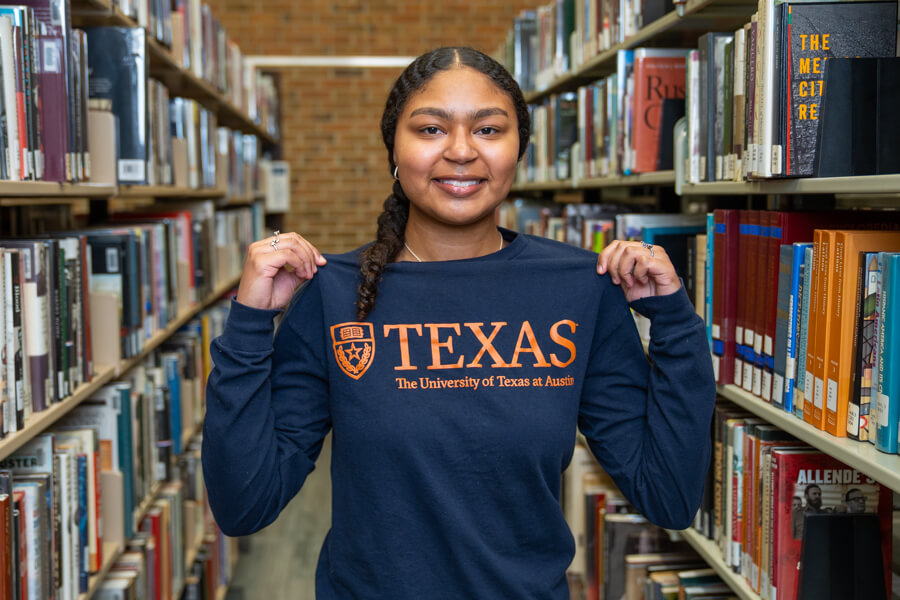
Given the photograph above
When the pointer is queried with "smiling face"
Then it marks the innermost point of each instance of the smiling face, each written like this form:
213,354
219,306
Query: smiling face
456,148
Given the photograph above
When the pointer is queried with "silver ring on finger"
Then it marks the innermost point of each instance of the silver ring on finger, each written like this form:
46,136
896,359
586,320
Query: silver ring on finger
274,244
648,247
277,231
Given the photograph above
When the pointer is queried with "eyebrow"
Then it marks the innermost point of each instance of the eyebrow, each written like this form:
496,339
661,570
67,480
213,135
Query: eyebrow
448,116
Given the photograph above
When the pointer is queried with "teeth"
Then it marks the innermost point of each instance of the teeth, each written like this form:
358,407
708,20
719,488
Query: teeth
458,183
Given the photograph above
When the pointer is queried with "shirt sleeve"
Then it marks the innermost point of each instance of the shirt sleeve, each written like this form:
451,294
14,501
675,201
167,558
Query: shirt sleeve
648,422
267,413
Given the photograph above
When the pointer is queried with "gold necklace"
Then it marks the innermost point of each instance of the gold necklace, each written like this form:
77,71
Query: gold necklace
416,256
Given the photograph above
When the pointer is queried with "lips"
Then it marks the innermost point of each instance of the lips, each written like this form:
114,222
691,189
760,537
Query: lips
460,186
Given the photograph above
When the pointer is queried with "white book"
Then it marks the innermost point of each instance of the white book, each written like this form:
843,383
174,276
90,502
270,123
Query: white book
68,510
8,64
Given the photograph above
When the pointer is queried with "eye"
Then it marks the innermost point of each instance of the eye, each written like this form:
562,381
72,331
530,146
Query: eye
488,130
430,130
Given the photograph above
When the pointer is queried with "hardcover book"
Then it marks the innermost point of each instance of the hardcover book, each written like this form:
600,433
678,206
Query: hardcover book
659,74
811,482
118,63
817,32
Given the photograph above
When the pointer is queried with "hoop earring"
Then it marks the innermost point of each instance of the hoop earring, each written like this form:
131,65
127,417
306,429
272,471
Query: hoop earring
395,172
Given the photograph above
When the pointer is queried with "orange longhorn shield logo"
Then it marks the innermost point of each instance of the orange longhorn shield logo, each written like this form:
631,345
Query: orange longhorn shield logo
354,347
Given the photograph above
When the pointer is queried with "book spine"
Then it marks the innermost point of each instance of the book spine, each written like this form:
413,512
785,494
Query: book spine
854,414
888,339
782,327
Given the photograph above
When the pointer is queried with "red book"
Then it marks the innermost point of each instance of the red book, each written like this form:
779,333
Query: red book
6,556
725,276
659,74
749,221
19,504
811,481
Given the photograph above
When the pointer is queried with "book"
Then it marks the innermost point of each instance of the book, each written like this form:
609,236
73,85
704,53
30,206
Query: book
803,334
817,32
800,252
725,296
811,482
659,74
888,415
845,283
117,58
864,341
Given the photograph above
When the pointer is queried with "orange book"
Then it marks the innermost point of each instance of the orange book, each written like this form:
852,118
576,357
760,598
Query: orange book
844,280
659,74
822,318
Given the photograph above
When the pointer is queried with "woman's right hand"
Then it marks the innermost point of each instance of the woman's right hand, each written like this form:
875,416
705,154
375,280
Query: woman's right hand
272,273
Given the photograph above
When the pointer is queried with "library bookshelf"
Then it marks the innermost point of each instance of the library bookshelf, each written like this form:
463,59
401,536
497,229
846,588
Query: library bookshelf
691,17
640,179
163,67
104,374
709,551
681,28
865,184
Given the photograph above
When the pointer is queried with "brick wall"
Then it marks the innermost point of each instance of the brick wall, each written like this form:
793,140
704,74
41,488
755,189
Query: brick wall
330,117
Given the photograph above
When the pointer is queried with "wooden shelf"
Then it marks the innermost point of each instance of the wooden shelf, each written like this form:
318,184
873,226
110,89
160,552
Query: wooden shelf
678,28
657,178
111,553
713,556
865,184
862,456
40,421
52,189
168,191
163,67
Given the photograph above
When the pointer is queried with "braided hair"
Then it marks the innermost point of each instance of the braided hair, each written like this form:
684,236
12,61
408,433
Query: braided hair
392,221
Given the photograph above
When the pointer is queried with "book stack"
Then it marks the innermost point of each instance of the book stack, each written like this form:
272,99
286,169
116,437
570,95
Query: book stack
619,125
815,339
123,458
82,299
557,38
756,94
764,483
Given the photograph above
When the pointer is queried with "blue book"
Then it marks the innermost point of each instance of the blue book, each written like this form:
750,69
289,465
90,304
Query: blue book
797,288
803,333
83,521
173,382
779,365
888,354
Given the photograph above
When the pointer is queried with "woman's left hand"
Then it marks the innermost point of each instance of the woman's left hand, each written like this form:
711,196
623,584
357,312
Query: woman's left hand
641,269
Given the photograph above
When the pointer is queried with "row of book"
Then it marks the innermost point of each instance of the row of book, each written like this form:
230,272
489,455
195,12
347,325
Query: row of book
799,312
163,140
51,72
802,314
71,494
558,38
619,554
199,44
763,483
83,298
619,125
757,95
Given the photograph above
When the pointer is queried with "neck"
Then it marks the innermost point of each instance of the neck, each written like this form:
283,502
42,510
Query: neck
431,242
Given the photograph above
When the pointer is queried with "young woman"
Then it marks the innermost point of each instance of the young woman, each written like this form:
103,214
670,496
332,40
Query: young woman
452,361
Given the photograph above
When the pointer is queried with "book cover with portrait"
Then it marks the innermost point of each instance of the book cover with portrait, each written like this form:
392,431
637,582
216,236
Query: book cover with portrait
807,481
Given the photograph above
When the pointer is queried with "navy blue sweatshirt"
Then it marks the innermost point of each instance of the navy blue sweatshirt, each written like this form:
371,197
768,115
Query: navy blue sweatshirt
453,409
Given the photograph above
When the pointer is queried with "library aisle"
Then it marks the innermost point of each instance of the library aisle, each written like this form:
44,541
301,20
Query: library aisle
280,561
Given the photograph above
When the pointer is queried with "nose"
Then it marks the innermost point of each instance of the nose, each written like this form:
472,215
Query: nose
459,147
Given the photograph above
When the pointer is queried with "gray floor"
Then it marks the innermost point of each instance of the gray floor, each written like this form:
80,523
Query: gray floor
279,562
